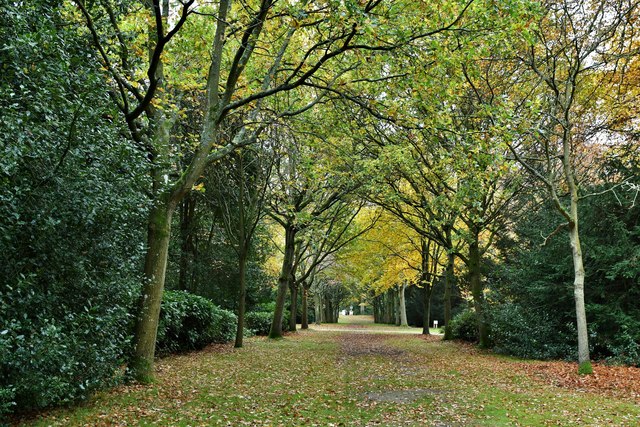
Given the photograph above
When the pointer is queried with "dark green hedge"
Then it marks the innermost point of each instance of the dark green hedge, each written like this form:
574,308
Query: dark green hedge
464,326
191,322
72,209
53,351
530,334
259,322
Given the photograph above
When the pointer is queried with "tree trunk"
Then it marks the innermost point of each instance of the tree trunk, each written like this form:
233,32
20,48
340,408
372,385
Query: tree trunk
477,291
305,307
293,291
242,296
387,313
330,311
317,298
155,266
426,309
283,282
391,307
326,304
403,306
584,360
187,211
448,286
159,227
425,251
396,306
376,310
159,233
158,236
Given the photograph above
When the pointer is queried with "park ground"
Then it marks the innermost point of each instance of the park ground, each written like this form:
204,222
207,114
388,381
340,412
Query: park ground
356,373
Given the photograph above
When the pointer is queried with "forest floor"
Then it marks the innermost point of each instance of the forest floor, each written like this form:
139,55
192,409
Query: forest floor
353,377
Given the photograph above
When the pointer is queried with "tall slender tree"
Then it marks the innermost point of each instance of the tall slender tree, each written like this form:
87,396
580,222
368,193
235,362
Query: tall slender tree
572,52
240,189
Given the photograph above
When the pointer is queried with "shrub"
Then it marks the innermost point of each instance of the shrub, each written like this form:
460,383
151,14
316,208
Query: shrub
191,322
614,335
62,352
625,347
72,215
530,334
259,322
464,326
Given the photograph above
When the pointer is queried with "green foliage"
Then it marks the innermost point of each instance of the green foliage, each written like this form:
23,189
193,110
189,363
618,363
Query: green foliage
210,266
71,215
259,322
614,333
190,322
530,334
585,368
464,326
533,311
56,347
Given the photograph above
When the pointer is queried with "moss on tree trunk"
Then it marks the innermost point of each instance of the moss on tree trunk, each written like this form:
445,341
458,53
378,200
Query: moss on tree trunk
159,232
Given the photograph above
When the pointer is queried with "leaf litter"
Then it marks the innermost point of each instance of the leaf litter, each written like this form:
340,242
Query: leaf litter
329,378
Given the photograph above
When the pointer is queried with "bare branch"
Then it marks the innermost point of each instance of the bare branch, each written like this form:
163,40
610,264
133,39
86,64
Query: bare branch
558,229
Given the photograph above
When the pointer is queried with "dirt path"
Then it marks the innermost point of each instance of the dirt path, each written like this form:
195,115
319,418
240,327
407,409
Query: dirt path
354,344
391,377
362,329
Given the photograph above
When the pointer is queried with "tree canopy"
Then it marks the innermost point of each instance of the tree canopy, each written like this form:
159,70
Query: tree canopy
273,162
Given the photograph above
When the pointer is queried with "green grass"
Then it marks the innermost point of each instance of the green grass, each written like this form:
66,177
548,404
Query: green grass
308,379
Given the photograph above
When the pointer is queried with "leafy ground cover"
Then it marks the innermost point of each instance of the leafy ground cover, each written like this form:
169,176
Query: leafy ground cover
355,378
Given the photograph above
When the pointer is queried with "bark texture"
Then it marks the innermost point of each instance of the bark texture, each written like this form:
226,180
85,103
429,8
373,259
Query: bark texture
305,307
403,305
477,291
293,311
242,297
283,282
448,287
159,232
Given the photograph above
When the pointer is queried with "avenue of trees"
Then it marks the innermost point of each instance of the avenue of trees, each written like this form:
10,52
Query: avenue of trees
176,173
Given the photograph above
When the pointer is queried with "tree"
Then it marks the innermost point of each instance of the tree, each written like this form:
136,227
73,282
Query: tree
385,259
240,194
533,307
487,182
321,243
430,254
303,40
307,201
570,51
416,183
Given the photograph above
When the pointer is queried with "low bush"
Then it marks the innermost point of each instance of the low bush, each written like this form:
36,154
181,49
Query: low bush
464,326
191,322
259,322
613,334
530,334
64,350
